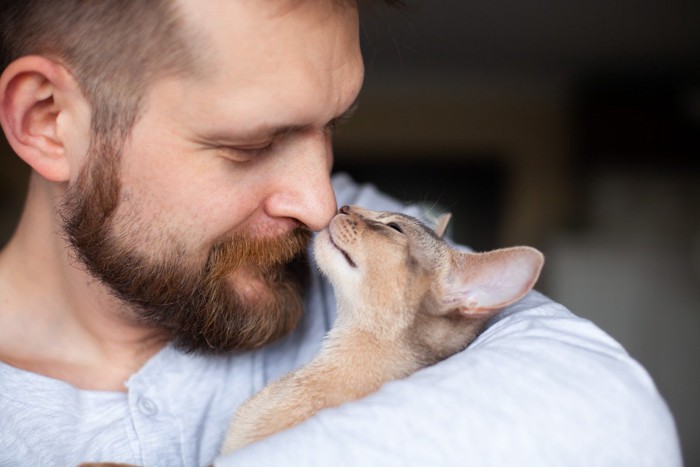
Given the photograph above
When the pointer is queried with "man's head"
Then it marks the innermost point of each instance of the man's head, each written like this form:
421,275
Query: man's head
209,149
114,50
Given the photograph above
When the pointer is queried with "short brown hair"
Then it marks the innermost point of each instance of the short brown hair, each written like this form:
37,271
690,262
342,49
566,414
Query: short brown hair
114,49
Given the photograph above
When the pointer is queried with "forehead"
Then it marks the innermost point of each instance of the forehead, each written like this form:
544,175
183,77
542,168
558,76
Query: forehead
300,56
387,216
227,24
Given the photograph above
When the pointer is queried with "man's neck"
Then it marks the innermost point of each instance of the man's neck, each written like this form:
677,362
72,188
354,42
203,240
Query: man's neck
57,320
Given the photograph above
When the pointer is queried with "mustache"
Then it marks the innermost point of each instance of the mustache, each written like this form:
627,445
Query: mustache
264,254
232,321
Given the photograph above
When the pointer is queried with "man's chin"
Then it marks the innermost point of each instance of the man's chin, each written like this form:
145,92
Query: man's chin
261,314
248,285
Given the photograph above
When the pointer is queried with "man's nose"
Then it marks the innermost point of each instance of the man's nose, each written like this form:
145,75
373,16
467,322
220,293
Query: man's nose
304,191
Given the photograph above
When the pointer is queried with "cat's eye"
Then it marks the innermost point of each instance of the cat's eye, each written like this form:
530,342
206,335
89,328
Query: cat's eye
395,226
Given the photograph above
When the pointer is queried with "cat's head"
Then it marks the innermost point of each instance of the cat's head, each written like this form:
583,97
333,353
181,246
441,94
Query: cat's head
392,273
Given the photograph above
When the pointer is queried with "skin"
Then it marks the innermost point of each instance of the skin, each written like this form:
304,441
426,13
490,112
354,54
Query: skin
243,147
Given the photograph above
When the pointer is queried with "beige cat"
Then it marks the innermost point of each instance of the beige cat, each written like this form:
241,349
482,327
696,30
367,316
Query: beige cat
405,300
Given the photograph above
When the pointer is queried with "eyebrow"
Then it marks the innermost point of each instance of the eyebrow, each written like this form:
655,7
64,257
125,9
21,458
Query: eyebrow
264,131
334,122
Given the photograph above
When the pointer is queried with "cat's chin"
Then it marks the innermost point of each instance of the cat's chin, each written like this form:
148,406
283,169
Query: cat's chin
330,258
345,254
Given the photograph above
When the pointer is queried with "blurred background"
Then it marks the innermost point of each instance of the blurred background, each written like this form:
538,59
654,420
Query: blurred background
572,126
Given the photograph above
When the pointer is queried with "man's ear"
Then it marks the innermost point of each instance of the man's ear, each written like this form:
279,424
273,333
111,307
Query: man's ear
37,109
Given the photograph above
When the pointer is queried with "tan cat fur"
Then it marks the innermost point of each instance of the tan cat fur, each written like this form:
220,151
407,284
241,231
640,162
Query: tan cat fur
405,300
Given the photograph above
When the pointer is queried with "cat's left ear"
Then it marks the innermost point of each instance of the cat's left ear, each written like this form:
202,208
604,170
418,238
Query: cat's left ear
482,282
441,224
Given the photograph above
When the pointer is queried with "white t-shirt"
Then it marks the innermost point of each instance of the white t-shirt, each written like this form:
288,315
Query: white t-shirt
540,387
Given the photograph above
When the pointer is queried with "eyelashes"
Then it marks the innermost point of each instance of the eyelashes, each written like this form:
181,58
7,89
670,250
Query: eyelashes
395,226
243,154
256,152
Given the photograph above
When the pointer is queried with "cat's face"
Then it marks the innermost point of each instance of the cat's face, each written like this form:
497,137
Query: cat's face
398,278
386,261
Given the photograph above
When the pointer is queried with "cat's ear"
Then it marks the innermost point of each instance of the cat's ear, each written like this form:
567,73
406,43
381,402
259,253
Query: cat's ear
482,282
441,224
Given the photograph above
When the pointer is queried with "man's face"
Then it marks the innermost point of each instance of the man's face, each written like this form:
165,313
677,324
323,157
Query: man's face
224,174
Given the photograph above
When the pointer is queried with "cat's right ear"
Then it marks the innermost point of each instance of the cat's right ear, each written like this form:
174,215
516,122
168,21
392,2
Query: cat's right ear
483,282
441,224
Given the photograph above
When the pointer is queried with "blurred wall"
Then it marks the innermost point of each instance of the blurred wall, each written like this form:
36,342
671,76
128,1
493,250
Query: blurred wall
590,111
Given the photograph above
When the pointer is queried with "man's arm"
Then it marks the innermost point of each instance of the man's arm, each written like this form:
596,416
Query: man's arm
539,387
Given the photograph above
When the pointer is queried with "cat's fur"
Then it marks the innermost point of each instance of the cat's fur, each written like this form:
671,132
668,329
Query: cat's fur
405,300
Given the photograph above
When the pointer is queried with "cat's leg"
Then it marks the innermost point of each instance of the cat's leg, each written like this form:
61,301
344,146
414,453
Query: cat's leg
280,405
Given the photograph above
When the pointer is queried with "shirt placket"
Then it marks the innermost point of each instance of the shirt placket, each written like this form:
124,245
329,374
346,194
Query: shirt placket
154,424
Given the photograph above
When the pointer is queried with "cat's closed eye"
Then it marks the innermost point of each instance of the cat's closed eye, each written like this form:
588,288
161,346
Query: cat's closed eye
395,226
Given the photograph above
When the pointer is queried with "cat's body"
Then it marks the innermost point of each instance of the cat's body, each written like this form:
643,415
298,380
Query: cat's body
405,300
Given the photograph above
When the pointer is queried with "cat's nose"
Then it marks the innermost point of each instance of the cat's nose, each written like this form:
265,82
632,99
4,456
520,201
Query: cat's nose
344,210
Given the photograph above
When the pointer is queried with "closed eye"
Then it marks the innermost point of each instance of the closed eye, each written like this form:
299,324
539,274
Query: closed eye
244,153
395,226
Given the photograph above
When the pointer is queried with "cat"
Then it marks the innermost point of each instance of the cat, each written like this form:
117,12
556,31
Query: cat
405,299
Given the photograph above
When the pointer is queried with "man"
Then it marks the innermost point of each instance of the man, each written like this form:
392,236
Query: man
180,155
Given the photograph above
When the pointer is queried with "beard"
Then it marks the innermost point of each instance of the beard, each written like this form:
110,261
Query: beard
247,293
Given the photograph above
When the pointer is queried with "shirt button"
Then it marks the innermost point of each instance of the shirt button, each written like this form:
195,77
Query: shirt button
148,407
